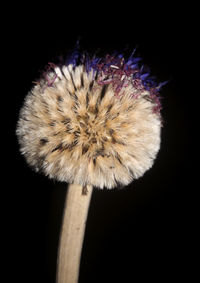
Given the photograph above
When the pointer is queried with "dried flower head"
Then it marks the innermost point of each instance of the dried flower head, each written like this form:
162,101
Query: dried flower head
92,121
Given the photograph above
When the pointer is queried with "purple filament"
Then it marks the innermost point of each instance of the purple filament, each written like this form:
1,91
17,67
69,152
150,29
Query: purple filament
115,70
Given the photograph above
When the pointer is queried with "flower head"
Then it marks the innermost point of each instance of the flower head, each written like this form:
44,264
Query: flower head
92,121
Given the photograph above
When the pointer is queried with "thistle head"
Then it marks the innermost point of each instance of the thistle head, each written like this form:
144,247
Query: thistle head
92,121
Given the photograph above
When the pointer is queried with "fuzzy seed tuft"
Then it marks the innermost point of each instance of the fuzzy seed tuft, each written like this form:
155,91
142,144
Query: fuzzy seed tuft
79,126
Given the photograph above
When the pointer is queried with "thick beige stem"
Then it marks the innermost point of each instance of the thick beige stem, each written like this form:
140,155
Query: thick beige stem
72,233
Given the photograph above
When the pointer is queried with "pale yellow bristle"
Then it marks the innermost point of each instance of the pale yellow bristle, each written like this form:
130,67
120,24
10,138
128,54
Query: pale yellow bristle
78,131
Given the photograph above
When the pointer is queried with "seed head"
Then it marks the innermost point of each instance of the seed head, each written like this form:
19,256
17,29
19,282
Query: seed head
95,122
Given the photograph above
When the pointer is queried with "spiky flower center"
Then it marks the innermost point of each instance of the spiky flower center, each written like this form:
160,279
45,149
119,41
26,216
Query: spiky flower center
97,123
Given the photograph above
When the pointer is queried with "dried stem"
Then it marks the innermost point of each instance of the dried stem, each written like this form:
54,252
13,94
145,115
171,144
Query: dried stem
72,233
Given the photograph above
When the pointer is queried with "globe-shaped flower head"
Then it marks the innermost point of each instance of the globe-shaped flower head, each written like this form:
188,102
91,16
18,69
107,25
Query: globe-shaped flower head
92,121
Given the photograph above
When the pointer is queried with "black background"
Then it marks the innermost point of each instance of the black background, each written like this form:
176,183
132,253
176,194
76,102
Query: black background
145,231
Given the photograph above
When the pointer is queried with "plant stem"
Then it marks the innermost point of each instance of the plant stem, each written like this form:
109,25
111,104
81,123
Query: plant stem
72,233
